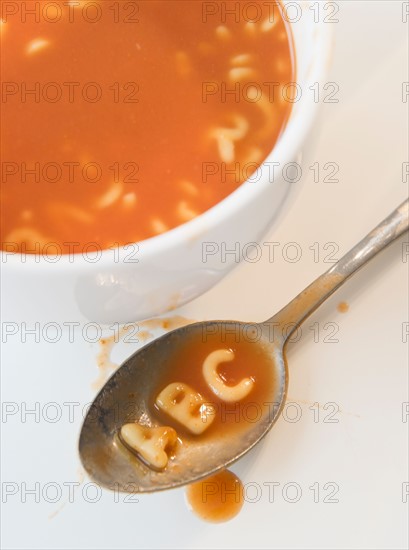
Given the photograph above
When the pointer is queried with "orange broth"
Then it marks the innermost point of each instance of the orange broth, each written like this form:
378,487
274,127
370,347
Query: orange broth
217,498
120,129
251,360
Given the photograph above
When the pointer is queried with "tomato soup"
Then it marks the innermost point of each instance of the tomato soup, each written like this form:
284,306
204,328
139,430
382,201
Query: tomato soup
240,360
217,498
122,120
214,386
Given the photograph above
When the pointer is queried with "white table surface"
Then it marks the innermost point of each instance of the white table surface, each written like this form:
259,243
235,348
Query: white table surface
363,372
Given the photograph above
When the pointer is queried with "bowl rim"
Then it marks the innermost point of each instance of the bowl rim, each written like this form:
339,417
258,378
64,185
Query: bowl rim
284,150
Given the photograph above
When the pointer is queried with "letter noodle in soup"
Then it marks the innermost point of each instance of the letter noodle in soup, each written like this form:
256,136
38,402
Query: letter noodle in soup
126,120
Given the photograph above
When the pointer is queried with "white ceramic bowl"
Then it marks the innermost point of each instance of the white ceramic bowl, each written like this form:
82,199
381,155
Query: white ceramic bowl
168,270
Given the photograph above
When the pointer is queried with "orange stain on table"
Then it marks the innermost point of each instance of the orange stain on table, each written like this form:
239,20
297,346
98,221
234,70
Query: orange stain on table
343,307
217,498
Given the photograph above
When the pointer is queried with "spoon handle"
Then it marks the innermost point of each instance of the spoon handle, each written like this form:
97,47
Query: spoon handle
295,313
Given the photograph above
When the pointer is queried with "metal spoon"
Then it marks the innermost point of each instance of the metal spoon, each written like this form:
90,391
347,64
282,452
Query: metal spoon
125,397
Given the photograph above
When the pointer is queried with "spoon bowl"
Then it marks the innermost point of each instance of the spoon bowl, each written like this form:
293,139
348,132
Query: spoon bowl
125,398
